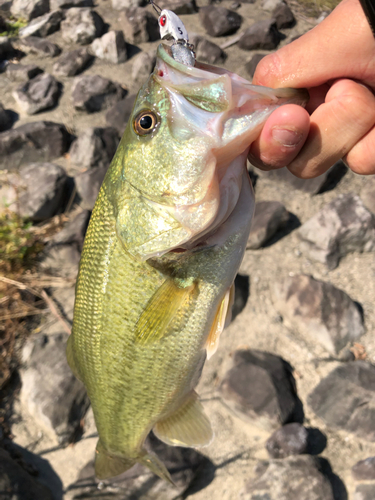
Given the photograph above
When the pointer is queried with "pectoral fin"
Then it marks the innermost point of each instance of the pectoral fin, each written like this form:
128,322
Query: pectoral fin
222,319
188,426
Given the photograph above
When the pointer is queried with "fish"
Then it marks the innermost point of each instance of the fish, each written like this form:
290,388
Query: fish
165,240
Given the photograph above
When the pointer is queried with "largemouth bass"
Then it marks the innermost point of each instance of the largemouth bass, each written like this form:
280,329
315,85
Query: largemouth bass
164,243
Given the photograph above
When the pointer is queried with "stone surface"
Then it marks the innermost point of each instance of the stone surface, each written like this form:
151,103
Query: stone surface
251,65
292,478
218,21
37,46
119,114
364,492
269,216
94,147
73,232
284,16
110,47
5,119
260,388
207,51
36,141
179,6
50,392
67,4
345,399
38,94
44,25
364,470
343,226
368,194
88,184
270,5
139,26
81,25
261,35
61,260
142,67
95,93
127,4
22,72
29,9
72,63
291,439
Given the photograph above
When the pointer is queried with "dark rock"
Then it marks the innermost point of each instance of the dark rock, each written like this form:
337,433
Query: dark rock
318,311
207,51
345,399
5,119
179,6
88,185
291,439
343,226
67,4
21,72
261,35
269,216
364,492
368,193
36,141
119,114
218,21
61,260
292,478
94,93
142,67
51,393
81,25
95,147
38,94
260,388
44,25
236,5
37,46
364,470
284,16
29,9
72,63
73,232
6,48
241,294
110,47
128,4
139,26
251,65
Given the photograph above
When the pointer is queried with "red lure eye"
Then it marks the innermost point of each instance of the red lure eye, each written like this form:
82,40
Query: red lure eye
162,21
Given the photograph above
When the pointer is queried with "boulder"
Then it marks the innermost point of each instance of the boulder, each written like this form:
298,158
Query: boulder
37,46
119,114
368,193
251,65
44,25
364,492
73,232
94,147
37,94
218,21
110,47
291,439
6,48
72,63
61,260
128,4
262,35
207,51
139,26
88,184
95,93
5,119
29,9
67,4
21,72
179,7
142,67
81,25
284,16
364,470
269,217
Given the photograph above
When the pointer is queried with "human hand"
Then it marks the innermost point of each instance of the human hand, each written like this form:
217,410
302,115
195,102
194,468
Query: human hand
336,62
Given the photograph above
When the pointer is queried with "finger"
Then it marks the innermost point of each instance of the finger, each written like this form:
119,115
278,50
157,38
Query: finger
335,128
361,158
281,139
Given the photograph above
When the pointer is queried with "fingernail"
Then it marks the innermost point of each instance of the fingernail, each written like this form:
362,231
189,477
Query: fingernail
286,137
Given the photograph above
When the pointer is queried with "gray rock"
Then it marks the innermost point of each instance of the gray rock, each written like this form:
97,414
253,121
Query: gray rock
292,478
318,311
364,470
270,4
5,119
142,67
179,6
269,216
81,25
29,9
73,232
119,114
44,25
260,388
345,399
61,260
139,26
368,193
95,147
21,72
110,47
32,142
284,16
261,35
38,94
364,492
127,4
94,93
72,63
251,65
50,392
67,4
88,185
291,439
343,226
218,21
37,46
207,51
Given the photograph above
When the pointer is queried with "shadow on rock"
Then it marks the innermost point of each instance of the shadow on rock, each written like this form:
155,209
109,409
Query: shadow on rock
317,441
338,487
292,224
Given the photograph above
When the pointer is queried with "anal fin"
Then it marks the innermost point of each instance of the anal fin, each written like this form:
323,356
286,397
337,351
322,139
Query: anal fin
222,319
188,426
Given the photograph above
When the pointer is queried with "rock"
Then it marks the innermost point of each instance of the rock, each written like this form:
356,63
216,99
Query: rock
128,4
29,9
37,46
261,35
260,388
318,311
17,484
343,226
6,47
269,216
73,232
38,94
364,470
270,4
139,26
251,65
142,67
284,16
72,63
5,119
291,439
67,4
94,147
364,492
50,392
345,399
37,191
119,114
61,260
94,93
218,21
368,193
81,25
32,142
110,47
241,294
207,51
21,72
179,7
299,477
43,25
88,184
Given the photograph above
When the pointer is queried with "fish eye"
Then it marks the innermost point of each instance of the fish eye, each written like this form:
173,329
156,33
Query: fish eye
145,122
